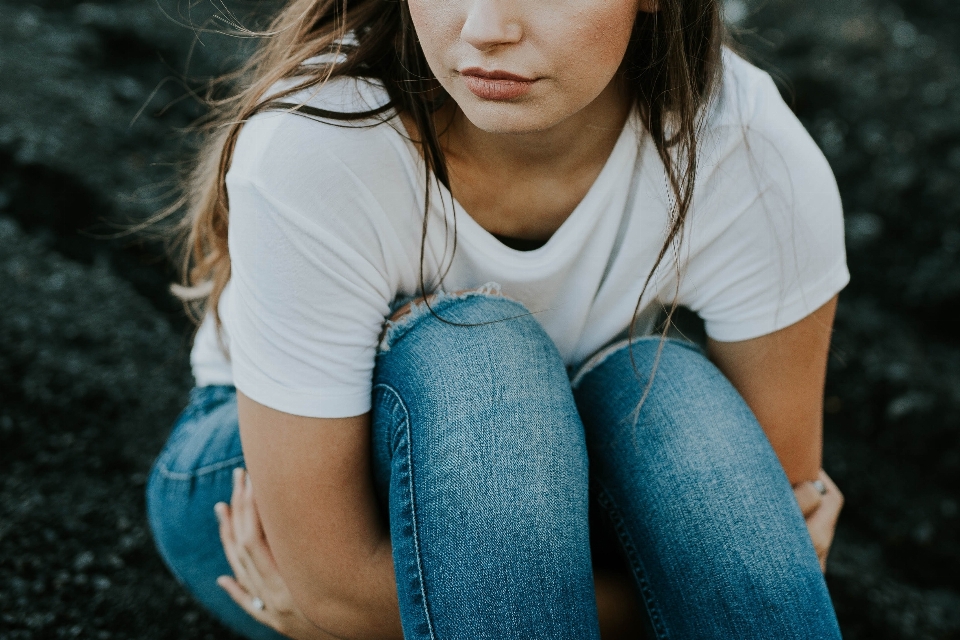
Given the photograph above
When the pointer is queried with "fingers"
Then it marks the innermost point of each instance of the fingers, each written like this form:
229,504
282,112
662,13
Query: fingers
255,552
241,534
228,539
808,497
831,487
243,599
246,548
256,576
822,523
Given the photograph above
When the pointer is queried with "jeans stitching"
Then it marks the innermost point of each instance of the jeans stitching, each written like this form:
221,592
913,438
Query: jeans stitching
413,510
203,401
163,554
633,558
397,402
163,470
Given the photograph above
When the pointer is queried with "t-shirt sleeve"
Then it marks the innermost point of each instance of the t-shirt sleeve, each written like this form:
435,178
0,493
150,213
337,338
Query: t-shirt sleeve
309,287
765,246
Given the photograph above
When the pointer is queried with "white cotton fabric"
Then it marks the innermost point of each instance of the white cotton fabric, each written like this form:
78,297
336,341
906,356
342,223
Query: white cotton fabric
325,232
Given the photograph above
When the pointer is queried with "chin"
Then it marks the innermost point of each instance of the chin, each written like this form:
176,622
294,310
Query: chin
515,118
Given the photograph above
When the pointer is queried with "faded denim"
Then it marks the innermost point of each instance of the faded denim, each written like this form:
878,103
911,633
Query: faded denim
486,458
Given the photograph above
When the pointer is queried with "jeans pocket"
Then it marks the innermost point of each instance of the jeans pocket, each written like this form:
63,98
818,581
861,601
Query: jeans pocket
205,438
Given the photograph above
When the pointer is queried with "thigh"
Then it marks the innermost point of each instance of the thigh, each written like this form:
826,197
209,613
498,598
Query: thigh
193,473
698,499
480,453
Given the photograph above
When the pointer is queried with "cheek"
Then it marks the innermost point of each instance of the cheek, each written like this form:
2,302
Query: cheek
436,26
600,37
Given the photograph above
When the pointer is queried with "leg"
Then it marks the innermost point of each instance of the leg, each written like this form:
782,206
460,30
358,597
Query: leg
192,473
480,452
701,505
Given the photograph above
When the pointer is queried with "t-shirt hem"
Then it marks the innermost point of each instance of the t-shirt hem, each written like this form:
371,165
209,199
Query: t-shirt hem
317,404
786,314
207,377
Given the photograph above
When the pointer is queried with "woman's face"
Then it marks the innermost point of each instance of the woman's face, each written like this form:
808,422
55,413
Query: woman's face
520,66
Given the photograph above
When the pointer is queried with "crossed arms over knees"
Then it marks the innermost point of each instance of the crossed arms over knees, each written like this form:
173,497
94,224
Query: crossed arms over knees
316,499
315,496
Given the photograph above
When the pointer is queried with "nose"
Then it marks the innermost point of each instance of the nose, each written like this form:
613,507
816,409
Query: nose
491,23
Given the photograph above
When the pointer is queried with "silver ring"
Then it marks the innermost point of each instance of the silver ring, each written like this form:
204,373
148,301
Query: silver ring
257,604
820,487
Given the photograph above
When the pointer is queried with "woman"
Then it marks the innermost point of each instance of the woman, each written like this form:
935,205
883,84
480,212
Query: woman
431,238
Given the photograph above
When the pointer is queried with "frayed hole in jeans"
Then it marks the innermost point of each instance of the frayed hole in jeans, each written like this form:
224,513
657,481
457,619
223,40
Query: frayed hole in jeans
397,326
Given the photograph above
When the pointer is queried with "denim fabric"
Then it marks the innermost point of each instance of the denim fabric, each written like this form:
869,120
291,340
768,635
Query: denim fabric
193,473
713,535
482,455
481,451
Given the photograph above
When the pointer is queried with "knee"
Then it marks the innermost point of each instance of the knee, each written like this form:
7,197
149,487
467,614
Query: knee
475,345
480,395
666,387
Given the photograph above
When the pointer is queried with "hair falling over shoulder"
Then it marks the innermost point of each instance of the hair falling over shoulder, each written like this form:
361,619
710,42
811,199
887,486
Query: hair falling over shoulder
671,69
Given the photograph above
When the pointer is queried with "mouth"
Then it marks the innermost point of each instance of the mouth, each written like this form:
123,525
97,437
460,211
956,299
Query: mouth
495,84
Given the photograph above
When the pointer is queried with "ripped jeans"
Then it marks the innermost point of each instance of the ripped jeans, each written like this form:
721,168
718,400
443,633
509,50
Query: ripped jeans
487,459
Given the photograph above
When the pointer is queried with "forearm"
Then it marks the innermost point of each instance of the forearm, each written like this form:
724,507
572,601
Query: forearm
800,450
318,508
781,376
340,569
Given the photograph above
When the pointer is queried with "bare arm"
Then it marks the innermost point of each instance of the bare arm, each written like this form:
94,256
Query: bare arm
315,497
781,376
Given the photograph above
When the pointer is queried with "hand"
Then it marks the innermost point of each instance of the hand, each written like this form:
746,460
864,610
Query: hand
257,586
821,511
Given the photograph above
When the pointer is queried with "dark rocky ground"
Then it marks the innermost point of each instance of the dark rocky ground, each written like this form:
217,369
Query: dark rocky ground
93,352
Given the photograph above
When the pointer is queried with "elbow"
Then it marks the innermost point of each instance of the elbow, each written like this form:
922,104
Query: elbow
362,606
341,617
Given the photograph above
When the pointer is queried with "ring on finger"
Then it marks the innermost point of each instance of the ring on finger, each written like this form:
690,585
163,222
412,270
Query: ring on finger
820,487
257,603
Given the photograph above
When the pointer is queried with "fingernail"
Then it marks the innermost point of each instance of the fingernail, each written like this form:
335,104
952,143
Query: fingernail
236,475
218,510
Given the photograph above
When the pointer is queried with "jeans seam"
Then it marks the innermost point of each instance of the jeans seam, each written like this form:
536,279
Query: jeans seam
413,509
164,471
633,559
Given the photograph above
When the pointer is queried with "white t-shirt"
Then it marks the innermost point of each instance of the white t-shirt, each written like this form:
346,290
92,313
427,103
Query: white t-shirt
325,232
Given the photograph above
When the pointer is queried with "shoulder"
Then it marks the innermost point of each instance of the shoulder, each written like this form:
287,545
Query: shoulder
750,132
355,184
746,94
765,232
749,115
281,150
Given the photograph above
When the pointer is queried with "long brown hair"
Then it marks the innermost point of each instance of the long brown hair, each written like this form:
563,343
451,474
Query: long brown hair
670,70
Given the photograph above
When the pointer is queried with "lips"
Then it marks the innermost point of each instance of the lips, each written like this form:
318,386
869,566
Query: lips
495,85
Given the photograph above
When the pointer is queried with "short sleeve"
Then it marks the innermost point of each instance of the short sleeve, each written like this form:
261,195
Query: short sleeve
765,244
310,286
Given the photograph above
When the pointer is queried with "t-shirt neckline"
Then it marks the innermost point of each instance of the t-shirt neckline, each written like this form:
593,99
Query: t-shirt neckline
573,230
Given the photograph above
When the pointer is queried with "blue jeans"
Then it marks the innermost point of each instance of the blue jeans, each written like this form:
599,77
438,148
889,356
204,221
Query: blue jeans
486,457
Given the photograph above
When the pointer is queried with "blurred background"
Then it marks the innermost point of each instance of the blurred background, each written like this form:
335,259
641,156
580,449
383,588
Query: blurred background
94,98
